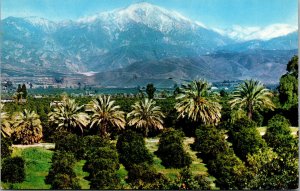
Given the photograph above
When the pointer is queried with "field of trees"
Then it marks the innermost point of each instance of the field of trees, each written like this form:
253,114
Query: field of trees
194,138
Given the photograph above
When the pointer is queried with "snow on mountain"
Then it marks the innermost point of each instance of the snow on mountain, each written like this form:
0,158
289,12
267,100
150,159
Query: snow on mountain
144,13
44,24
241,33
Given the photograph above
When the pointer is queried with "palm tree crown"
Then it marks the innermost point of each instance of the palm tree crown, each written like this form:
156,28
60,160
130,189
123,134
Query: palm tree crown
195,102
5,125
146,114
68,116
251,95
105,113
27,127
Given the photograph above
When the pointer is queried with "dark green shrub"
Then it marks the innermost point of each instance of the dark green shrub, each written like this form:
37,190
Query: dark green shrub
70,143
276,179
187,181
59,156
144,176
103,158
64,181
279,174
132,149
282,172
5,147
62,164
241,124
229,171
245,138
272,171
171,151
187,126
278,136
258,118
246,141
102,165
278,125
292,114
209,142
13,170
288,88
90,143
105,179
201,182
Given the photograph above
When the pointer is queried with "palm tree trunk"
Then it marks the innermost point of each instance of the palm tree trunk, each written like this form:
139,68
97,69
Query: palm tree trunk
249,114
103,129
146,132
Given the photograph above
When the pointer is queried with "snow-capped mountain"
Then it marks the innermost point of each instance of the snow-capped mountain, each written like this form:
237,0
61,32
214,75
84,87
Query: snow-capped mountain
113,41
147,14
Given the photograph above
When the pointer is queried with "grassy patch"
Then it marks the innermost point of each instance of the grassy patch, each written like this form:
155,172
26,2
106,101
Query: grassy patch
37,164
84,184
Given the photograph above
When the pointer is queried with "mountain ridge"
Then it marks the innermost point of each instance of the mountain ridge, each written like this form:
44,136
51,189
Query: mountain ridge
107,44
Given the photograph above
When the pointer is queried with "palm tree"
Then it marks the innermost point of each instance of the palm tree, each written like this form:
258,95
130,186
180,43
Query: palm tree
68,116
5,125
146,115
195,102
251,95
27,127
105,114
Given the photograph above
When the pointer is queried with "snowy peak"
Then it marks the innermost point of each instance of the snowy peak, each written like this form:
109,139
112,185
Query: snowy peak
145,13
141,11
41,23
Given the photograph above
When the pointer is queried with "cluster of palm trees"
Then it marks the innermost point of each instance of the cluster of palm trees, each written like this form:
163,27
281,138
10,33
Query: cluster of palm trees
24,127
195,101
104,113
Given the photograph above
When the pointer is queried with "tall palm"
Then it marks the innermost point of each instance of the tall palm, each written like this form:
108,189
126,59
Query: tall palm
251,95
27,127
5,125
146,115
68,116
195,102
105,114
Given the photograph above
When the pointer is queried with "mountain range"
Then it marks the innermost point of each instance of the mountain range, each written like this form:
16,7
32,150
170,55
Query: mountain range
136,45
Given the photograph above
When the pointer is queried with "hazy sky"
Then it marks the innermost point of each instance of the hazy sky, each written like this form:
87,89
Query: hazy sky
213,13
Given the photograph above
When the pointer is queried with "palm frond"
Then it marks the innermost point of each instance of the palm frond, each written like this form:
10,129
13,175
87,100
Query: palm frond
146,115
105,113
197,104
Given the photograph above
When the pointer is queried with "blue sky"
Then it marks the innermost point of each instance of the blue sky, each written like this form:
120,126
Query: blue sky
213,13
